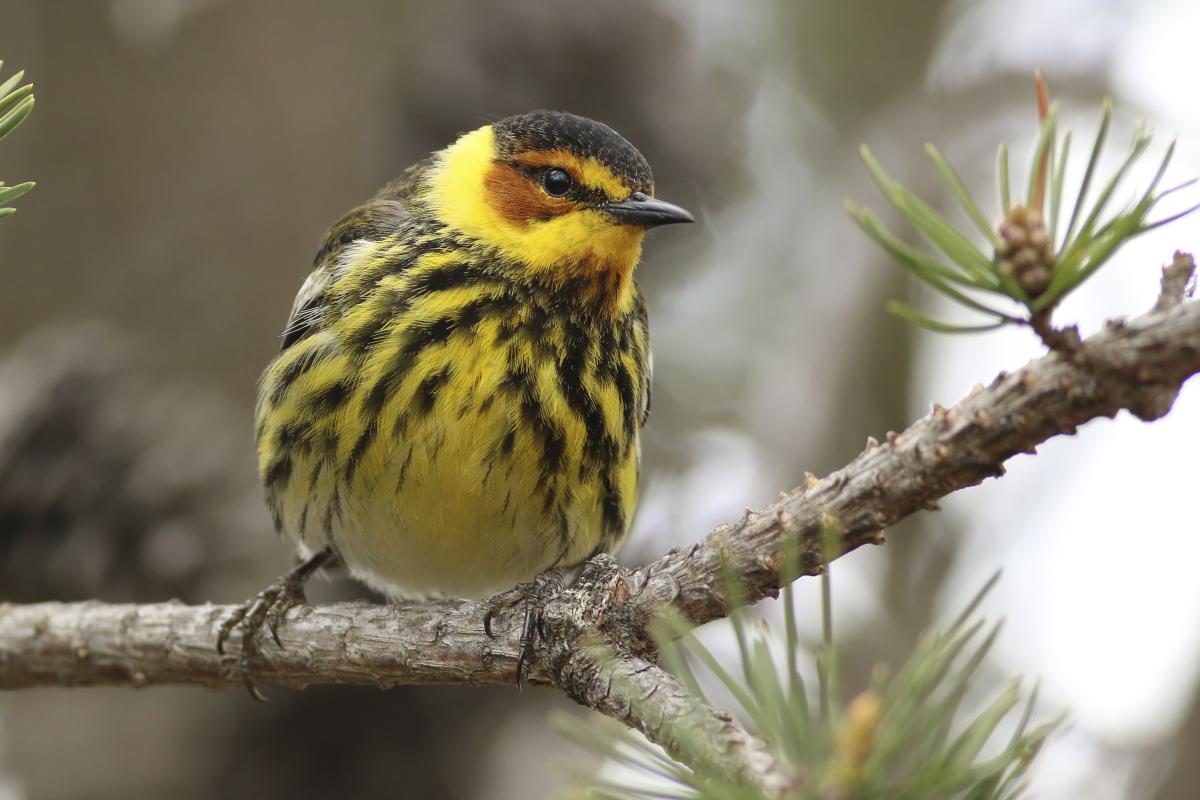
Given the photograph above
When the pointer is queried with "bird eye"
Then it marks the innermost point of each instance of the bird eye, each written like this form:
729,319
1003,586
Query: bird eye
556,182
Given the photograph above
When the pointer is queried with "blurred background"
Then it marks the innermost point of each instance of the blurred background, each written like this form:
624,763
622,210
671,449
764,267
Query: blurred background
190,153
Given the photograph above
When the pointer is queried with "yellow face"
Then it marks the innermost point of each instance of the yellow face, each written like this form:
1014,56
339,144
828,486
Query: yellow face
510,205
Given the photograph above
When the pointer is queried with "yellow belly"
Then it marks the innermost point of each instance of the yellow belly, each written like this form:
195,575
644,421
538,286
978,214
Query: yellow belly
459,496
444,516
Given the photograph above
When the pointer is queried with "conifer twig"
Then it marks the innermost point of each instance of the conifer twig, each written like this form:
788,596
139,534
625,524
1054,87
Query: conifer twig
1138,365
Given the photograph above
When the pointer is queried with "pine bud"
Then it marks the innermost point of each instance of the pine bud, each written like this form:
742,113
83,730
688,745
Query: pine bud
854,742
1025,252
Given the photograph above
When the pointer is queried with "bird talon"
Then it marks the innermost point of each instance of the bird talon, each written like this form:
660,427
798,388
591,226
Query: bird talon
534,595
245,663
504,601
273,627
269,607
288,594
487,622
227,628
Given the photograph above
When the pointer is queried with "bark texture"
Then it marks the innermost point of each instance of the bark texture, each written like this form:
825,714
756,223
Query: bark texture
598,649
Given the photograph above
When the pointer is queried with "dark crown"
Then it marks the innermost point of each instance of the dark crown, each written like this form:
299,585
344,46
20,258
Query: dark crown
558,130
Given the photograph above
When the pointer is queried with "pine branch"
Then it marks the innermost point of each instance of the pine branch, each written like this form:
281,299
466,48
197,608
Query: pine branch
1138,366
640,694
101,644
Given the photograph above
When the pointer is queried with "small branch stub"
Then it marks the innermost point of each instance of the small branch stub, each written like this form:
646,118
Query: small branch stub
1138,366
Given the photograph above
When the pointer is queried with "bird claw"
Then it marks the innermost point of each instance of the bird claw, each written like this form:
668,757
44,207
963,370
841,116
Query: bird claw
534,595
268,607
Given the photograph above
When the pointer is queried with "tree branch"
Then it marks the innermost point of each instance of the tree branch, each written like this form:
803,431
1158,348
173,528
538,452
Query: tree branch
1138,366
643,696
94,644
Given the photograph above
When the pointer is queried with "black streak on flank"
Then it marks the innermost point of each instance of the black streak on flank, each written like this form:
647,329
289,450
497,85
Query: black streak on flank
423,336
565,540
507,443
363,338
625,391
278,473
535,330
361,444
506,330
427,335
472,313
624,379
404,469
613,514
330,398
441,278
429,388
400,426
295,368
519,382
465,320
640,325
374,399
600,449
332,511
302,524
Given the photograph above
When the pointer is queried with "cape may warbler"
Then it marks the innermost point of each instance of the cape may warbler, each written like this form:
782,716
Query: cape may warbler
457,401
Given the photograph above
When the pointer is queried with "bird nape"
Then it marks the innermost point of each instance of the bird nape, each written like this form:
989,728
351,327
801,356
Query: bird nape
456,407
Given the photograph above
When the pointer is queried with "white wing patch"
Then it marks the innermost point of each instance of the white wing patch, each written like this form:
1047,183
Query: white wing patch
306,308
353,252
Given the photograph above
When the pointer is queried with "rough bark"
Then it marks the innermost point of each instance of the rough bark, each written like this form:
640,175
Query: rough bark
1138,366
91,644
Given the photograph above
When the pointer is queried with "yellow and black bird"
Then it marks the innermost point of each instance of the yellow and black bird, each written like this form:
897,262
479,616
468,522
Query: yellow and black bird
457,403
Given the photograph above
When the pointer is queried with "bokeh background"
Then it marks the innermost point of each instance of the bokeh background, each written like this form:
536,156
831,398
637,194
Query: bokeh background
189,154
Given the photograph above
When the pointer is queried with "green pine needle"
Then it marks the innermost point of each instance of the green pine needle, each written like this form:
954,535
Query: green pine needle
1046,137
1036,261
923,320
16,102
961,194
10,193
15,116
1093,161
907,736
1056,184
1002,177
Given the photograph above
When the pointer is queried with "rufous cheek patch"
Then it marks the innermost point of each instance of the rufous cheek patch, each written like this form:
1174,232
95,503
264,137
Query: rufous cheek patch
518,199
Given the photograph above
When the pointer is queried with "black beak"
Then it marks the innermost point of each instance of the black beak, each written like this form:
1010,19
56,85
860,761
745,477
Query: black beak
641,209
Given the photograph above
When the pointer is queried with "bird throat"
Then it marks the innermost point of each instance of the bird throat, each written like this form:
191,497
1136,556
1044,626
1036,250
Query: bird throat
582,254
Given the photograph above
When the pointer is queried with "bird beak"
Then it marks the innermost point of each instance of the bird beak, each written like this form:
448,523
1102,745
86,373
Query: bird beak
641,209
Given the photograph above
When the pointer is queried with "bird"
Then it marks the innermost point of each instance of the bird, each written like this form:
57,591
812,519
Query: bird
456,406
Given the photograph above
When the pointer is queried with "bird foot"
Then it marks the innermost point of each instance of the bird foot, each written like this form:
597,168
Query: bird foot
534,595
268,607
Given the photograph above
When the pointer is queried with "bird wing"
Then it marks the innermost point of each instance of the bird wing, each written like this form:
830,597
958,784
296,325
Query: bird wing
643,321
344,242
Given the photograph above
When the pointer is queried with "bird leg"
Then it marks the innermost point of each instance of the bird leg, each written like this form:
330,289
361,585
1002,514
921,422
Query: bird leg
534,594
269,606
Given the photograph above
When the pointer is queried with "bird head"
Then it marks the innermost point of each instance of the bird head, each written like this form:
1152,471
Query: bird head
565,197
